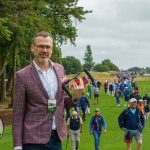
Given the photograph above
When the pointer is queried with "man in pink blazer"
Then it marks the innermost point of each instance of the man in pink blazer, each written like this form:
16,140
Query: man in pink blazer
38,117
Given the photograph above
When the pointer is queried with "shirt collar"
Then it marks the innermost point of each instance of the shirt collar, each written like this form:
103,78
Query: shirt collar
39,69
75,117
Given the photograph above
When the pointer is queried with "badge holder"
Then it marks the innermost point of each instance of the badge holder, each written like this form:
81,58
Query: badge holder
51,105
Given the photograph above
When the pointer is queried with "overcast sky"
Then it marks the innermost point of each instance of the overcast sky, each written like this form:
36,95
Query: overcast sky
116,29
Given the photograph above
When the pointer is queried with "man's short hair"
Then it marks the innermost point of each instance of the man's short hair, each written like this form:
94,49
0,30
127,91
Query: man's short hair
43,34
74,113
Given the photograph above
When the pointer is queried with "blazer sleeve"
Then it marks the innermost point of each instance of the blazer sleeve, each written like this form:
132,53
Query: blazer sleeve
18,111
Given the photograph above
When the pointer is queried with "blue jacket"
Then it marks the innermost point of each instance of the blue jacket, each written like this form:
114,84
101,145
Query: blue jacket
146,108
97,122
127,93
83,102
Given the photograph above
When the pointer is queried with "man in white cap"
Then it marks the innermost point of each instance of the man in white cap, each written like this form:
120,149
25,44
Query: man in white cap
74,127
132,121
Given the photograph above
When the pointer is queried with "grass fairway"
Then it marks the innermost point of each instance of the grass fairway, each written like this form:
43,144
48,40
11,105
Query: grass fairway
113,139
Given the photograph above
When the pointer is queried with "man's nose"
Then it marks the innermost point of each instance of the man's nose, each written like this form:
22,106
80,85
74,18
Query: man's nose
44,49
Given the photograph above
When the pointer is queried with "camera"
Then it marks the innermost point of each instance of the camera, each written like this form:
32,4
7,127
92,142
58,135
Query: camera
85,81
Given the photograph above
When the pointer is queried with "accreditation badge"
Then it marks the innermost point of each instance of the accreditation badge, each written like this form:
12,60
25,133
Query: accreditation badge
51,105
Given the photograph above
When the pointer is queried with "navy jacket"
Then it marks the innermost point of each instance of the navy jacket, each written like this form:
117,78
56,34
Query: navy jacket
83,102
97,122
123,118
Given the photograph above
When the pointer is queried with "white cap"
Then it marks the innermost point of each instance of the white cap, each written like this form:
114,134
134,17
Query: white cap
132,100
140,100
87,94
74,113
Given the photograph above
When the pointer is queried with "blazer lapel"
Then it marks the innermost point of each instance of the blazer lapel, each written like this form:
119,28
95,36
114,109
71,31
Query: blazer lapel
58,74
37,79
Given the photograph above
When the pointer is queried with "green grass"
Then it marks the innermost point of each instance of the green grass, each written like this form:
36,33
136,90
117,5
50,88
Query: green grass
113,139
6,140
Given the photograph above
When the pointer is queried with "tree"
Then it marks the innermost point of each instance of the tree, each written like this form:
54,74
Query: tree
100,68
88,59
71,65
112,67
106,65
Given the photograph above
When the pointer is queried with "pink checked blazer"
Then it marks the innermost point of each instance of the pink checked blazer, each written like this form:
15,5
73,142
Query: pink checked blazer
32,123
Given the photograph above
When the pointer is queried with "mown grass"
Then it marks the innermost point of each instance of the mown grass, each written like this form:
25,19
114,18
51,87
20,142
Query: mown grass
113,139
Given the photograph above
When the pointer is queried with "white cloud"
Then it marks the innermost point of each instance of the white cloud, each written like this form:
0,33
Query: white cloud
117,29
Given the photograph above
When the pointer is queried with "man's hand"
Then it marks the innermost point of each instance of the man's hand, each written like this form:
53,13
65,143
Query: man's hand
91,133
78,89
123,128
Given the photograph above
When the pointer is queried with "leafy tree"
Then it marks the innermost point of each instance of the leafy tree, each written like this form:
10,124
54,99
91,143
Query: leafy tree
135,69
71,65
106,65
112,67
88,58
100,68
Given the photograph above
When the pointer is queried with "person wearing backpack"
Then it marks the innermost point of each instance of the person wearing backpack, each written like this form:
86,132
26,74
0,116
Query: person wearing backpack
83,104
96,124
117,96
132,121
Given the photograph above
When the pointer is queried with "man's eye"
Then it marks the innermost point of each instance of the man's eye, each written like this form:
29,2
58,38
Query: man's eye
43,46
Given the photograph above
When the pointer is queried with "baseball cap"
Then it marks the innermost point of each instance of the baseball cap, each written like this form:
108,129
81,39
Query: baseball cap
74,113
87,94
140,100
132,100
97,110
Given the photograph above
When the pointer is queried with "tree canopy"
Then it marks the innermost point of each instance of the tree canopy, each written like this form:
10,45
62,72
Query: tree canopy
72,65
106,65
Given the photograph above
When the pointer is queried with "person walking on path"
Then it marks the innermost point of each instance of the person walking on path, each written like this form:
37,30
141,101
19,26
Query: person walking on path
90,88
146,109
99,84
140,106
126,96
117,96
96,94
105,86
74,127
132,121
83,104
146,97
97,122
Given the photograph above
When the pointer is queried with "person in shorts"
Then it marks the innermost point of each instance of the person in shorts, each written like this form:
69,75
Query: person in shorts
96,94
132,121
126,96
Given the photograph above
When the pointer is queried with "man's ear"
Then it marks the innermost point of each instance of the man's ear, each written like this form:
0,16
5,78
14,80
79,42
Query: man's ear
32,47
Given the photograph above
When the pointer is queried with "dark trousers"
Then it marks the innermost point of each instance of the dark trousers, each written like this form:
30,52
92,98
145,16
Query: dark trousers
67,113
84,114
53,144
